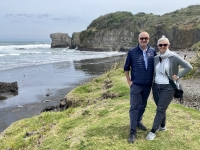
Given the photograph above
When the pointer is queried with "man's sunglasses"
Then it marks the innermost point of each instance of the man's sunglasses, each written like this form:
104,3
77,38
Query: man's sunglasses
144,38
160,45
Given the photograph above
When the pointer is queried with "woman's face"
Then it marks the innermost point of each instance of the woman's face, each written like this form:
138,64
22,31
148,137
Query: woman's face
163,46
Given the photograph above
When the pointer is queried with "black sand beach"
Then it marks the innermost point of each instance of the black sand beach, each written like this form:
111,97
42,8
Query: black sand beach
55,80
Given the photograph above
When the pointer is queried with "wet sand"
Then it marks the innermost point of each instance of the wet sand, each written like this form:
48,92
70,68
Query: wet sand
55,80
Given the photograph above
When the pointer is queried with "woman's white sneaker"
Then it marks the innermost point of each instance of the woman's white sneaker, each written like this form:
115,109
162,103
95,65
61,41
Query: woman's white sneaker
151,136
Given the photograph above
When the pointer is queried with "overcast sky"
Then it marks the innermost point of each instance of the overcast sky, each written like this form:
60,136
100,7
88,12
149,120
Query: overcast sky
37,19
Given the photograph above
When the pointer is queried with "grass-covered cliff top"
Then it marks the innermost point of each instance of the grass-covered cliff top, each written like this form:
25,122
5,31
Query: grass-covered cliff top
99,119
126,20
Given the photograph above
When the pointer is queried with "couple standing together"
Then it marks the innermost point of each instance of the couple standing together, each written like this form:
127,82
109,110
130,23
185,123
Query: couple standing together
144,69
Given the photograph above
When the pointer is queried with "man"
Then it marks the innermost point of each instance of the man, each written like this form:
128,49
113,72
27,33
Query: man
140,61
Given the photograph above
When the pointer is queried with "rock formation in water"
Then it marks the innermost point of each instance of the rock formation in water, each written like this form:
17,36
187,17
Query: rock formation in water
60,40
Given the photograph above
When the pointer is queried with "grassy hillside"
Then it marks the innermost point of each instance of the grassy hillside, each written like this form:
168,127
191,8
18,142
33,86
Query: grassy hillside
126,20
121,20
99,120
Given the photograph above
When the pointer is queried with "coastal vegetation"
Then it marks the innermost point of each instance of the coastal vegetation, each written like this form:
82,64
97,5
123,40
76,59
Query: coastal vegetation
127,20
99,119
196,47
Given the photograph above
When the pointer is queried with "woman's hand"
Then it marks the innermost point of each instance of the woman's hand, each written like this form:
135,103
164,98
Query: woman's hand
175,77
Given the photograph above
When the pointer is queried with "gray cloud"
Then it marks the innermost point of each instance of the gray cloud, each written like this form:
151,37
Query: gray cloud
70,19
43,15
16,21
28,15
36,21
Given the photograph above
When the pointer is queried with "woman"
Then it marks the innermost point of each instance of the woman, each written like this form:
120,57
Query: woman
166,64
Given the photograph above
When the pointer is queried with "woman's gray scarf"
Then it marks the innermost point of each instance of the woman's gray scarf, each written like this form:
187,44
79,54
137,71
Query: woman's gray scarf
165,60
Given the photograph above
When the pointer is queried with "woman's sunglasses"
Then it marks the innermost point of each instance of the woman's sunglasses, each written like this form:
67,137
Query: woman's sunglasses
160,45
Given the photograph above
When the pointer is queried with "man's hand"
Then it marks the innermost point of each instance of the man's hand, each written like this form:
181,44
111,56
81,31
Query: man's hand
128,78
130,83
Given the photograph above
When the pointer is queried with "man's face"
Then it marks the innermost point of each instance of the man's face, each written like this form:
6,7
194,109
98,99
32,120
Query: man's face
143,39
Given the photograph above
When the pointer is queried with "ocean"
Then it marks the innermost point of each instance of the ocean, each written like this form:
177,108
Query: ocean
23,54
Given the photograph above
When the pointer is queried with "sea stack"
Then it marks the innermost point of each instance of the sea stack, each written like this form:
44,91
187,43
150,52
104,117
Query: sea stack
60,40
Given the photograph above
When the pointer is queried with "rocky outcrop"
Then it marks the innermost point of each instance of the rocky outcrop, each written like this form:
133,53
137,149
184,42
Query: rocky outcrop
123,40
60,40
8,87
5,88
64,104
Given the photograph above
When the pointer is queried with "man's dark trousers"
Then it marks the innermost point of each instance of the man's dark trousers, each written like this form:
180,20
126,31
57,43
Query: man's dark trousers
138,101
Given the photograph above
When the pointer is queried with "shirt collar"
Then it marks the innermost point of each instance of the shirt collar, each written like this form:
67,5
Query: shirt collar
142,49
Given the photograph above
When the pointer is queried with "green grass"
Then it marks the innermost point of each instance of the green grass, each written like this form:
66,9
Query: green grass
96,123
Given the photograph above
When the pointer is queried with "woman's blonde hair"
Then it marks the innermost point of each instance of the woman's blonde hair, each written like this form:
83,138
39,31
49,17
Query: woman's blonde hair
163,38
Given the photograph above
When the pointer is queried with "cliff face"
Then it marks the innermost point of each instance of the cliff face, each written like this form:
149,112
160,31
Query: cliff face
60,40
119,31
75,41
179,38
123,40
110,40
